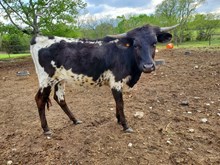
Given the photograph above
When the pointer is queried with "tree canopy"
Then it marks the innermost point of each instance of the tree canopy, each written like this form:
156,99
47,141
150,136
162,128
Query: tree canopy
34,16
177,11
173,11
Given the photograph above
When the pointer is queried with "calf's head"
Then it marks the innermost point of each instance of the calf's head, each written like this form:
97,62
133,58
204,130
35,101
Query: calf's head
144,40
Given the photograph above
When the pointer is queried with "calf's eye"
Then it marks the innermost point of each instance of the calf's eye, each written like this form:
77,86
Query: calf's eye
154,45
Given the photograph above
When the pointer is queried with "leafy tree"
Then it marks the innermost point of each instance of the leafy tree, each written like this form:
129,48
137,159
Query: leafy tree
88,26
177,11
97,28
11,44
173,11
205,25
61,29
135,21
167,11
37,15
13,40
104,29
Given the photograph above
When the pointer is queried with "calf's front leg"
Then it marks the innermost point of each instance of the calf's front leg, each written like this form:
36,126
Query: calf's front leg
120,110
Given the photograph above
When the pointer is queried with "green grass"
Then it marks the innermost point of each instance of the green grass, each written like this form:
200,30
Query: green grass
194,44
12,56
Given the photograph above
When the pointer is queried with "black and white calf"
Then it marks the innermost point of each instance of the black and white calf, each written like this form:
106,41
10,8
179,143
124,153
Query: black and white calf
114,60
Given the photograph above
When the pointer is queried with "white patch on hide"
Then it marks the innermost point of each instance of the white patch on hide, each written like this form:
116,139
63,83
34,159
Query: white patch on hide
43,42
112,83
94,42
114,41
60,91
42,75
82,80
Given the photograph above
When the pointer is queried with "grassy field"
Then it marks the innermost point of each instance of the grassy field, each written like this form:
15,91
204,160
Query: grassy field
214,43
11,56
194,44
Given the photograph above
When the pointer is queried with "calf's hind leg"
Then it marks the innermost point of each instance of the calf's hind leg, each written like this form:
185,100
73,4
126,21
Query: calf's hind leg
42,98
59,96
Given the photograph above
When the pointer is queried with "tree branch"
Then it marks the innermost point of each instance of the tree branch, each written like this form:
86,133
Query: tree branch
10,18
34,17
15,12
25,13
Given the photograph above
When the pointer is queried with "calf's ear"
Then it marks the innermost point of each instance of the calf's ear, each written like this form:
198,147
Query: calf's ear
124,43
164,37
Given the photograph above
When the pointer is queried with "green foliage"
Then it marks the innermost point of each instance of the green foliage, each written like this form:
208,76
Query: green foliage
9,29
135,21
13,44
187,36
93,28
13,40
167,11
177,11
41,14
61,29
173,11
59,18
59,15
205,25
197,26
104,29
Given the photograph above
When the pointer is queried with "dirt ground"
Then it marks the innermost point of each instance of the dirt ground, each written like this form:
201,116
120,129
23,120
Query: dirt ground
180,125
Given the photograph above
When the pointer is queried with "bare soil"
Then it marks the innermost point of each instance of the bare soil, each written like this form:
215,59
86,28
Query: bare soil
180,125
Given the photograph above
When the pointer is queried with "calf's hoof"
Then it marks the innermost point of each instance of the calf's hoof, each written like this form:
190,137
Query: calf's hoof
129,130
77,122
47,133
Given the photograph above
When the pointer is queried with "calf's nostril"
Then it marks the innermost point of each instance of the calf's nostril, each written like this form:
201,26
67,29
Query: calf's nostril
148,66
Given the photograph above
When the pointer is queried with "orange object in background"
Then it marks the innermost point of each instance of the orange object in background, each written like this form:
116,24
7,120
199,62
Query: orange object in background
169,46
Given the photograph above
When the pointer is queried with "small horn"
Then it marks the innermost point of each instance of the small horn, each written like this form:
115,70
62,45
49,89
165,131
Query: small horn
118,35
165,29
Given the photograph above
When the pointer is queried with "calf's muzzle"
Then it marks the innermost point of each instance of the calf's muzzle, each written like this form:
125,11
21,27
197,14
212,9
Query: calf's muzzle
148,68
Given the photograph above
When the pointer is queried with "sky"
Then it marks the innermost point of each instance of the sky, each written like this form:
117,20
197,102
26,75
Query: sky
114,8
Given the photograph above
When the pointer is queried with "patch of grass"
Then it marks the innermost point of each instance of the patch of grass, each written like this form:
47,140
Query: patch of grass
11,56
194,44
